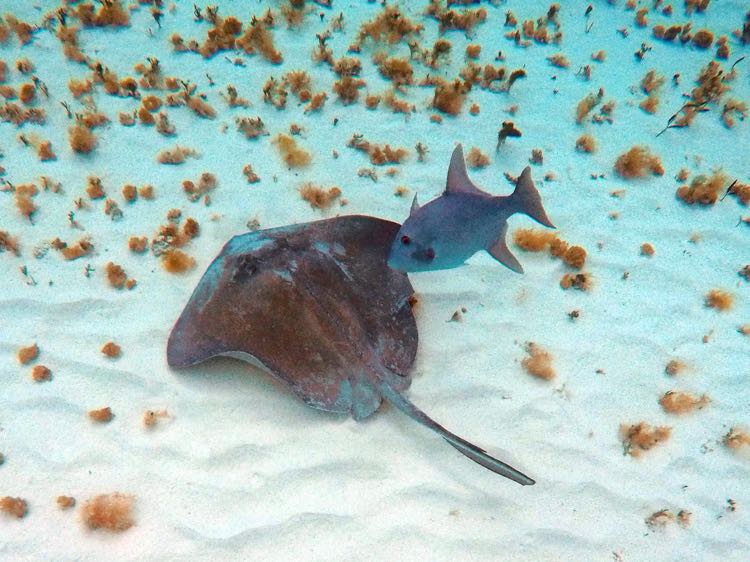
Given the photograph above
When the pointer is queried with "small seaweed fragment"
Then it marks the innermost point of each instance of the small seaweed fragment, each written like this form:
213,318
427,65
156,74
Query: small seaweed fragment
41,373
507,130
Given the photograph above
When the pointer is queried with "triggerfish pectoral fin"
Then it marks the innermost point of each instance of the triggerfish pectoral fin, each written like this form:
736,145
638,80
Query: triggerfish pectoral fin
500,251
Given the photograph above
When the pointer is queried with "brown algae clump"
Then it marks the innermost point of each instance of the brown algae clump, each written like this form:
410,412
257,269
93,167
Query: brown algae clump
675,402
642,437
14,506
719,300
111,350
113,512
27,354
101,415
318,197
177,261
704,190
293,155
539,362
737,438
638,162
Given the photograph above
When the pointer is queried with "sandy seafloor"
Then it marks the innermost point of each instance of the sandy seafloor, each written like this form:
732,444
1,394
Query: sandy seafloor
242,469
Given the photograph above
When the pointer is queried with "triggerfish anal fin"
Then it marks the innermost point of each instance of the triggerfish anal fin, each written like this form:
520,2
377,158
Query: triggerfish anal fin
500,251
458,179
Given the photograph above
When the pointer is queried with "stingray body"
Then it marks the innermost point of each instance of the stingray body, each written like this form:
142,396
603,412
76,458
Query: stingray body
317,306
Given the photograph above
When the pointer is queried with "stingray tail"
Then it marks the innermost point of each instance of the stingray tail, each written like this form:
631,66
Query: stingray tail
470,450
527,200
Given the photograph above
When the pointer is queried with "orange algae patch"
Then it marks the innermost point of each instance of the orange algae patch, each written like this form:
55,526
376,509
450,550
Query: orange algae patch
642,437
719,300
111,350
259,39
65,502
675,402
14,506
9,243
580,281
27,354
638,162
138,244
293,155
539,362
536,240
113,512
82,140
586,143
177,261
660,519
674,367
647,249
736,438
176,155
40,373
704,190
390,26
79,249
117,277
318,197
477,159
101,415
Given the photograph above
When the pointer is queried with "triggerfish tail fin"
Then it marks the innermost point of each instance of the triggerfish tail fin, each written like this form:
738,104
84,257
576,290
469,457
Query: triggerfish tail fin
469,450
526,199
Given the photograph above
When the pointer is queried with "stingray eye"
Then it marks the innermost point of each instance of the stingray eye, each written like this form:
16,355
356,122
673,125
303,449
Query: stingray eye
405,240
429,254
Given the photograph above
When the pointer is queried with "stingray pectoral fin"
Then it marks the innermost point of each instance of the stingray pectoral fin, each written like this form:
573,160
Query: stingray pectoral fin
469,450
500,251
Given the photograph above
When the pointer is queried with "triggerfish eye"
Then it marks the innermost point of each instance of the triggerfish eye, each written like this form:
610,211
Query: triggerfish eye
405,240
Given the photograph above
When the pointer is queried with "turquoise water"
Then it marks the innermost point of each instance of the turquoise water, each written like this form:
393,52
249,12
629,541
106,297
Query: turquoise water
240,468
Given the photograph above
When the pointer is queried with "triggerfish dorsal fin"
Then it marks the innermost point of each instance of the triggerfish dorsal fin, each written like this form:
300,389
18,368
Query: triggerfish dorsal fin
500,251
458,179
414,205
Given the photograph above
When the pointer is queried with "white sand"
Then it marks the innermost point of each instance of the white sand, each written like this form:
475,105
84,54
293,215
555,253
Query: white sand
242,469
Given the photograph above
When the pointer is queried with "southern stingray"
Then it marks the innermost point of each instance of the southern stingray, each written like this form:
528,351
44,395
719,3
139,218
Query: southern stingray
317,306
312,303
